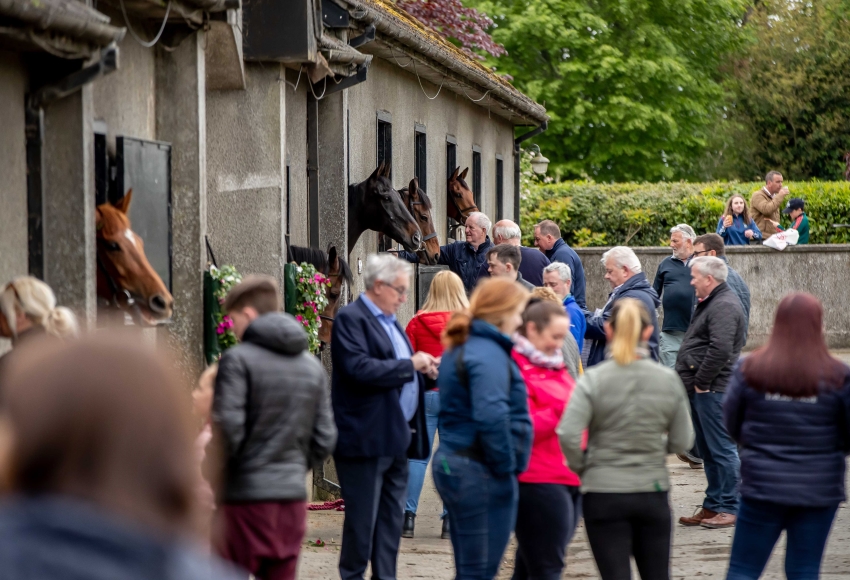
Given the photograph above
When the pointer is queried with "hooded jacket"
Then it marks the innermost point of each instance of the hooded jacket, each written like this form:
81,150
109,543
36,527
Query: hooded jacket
636,287
272,409
712,344
425,330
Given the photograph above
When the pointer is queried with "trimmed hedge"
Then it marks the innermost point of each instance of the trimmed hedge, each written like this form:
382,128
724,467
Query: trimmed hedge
641,214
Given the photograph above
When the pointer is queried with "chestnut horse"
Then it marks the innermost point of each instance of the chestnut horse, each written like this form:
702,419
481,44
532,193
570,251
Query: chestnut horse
418,204
461,200
336,269
125,278
375,205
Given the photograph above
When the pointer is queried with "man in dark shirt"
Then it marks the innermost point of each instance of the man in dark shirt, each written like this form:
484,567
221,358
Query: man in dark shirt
464,258
504,262
533,261
673,286
547,237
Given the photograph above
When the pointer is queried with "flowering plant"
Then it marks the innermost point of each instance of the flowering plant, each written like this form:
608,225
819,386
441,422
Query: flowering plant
310,301
227,277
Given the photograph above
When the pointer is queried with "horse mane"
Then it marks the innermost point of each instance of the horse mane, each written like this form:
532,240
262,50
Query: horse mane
319,260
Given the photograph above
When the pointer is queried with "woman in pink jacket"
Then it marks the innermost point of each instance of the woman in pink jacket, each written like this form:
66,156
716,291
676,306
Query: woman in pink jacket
549,497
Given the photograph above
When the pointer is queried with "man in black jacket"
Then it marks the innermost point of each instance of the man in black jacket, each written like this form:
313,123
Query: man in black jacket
272,414
708,354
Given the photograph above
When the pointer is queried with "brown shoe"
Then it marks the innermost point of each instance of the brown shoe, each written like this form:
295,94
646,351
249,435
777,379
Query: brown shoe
698,518
721,520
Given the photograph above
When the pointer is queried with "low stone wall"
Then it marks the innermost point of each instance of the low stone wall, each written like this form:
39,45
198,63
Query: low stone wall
821,270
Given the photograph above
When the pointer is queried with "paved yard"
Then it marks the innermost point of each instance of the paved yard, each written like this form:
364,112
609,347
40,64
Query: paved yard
697,552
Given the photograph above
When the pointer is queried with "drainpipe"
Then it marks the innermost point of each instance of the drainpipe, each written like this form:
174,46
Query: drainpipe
517,141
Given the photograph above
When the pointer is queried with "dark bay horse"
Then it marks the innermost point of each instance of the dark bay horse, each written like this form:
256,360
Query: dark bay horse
418,204
461,200
375,205
125,278
332,265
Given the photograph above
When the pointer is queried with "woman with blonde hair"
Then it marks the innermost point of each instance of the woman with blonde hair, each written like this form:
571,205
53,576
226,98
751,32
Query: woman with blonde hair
485,428
425,330
736,225
635,412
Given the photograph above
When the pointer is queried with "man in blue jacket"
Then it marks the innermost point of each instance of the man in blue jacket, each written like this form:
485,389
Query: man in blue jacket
558,277
547,237
378,401
625,274
464,258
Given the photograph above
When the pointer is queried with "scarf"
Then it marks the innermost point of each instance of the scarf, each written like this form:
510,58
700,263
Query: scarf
524,347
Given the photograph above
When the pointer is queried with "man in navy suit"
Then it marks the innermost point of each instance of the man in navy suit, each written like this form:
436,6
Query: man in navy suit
379,408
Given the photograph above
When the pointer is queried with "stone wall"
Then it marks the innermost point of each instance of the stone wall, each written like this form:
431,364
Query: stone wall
822,270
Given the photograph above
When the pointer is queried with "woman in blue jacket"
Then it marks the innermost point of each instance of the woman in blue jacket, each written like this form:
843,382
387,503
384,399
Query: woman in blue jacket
735,226
787,407
485,429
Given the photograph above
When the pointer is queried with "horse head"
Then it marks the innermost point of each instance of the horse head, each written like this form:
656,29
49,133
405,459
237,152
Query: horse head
339,274
124,275
418,204
375,205
461,200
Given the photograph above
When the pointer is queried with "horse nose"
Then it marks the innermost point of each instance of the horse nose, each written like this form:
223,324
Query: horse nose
417,239
158,304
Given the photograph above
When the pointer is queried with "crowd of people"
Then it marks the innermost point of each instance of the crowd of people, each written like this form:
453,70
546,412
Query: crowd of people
547,413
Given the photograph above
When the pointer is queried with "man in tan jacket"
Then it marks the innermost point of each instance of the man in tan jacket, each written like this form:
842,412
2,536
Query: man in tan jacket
766,202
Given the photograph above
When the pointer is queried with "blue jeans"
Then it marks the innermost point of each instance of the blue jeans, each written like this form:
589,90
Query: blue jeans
758,527
419,466
719,453
482,512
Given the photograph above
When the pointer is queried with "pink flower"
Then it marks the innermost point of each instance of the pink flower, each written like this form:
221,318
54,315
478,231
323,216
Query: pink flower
299,318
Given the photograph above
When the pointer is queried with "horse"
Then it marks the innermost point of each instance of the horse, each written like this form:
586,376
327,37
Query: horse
461,200
333,266
374,205
414,196
125,278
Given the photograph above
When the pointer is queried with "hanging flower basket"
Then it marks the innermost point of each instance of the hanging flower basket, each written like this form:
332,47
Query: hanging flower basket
310,301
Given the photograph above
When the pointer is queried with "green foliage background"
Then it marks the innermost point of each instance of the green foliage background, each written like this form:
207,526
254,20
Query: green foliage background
641,214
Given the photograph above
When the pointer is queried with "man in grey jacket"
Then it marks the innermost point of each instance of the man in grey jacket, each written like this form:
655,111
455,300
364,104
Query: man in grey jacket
273,419
705,361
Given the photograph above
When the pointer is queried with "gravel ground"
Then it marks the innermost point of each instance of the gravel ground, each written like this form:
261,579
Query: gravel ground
697,552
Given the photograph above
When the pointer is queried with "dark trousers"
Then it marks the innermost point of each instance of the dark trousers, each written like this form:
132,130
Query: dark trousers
482,512
719,453
758,528
545,523
374,490
264,537
620,525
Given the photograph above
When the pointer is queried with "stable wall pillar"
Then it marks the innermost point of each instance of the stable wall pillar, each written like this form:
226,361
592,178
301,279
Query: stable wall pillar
333,172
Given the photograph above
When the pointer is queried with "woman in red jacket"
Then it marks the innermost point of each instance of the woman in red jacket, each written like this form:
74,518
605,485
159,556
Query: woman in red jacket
549,497
445,297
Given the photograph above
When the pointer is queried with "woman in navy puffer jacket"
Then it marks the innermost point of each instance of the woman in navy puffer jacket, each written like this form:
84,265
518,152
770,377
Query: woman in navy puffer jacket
787,406
485,428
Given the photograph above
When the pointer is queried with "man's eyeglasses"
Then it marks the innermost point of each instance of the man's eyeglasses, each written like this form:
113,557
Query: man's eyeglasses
403,292
701,253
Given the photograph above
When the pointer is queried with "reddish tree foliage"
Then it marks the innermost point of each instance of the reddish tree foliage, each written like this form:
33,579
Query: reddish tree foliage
453,20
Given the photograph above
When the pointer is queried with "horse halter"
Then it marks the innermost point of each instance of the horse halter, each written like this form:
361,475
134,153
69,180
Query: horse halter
410,203
464,212
118,292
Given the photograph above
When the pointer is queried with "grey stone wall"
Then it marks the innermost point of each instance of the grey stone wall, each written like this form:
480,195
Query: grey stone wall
296,153
821,270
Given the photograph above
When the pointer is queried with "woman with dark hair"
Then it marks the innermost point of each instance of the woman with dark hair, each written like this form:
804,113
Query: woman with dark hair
736,226
549,497
787,407
96,450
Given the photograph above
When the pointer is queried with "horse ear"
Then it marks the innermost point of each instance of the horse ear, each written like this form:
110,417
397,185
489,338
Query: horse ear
454,174
332,257
377,173
124,205
463,175
388,170
413,188
98,219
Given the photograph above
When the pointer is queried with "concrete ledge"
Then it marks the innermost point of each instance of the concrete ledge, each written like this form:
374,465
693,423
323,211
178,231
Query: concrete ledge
821,270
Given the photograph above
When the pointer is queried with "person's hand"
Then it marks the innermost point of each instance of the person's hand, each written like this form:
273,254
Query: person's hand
727,221
784,191
748,234
775,224
699,390
424,362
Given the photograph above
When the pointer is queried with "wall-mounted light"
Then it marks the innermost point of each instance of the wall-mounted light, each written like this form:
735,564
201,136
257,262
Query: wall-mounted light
539,164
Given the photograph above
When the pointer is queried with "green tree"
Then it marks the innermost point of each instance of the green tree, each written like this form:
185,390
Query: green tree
632,87
791,105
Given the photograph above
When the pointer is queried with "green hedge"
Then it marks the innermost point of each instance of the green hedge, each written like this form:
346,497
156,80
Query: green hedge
641,214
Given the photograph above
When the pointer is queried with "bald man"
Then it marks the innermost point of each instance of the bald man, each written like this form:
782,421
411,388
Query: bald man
533,261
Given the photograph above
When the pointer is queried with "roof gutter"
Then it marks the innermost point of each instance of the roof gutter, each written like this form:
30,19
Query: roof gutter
83,24
413,38
524,137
